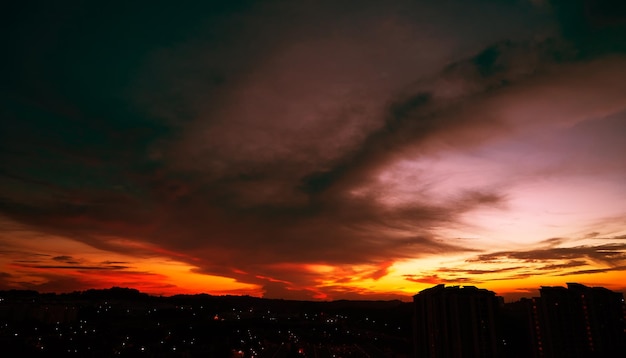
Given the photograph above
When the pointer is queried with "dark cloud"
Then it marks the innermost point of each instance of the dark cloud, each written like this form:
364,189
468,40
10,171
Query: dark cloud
594,26
380,272
65,262
558,267
477,272
31,255
66,259
244,137
75,267
436,280
62,258
511,277
553,241
593,271
611,254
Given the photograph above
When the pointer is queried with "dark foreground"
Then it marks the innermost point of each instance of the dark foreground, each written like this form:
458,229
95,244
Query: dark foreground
124,322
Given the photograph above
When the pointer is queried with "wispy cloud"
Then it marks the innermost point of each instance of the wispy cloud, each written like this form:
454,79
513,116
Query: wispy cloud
611,254
74,267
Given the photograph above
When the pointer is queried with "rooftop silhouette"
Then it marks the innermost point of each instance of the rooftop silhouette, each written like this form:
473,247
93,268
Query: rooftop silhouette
442,321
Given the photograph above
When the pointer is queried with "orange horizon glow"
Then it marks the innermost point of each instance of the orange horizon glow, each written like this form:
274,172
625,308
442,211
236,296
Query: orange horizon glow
166,276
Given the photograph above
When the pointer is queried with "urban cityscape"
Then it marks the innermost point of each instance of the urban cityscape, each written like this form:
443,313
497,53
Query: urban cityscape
442,321
313,179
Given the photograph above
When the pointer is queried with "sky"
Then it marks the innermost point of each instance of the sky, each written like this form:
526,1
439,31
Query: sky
313,149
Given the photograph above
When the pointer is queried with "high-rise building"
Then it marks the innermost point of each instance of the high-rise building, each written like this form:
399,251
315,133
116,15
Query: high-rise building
455,322
520,329
581,321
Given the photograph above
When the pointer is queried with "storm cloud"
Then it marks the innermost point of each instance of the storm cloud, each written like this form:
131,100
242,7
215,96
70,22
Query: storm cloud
290,146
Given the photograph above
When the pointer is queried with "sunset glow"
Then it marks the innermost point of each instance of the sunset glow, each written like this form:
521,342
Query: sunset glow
314,150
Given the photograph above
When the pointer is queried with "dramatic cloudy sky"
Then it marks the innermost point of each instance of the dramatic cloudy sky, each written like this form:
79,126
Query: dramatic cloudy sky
313,149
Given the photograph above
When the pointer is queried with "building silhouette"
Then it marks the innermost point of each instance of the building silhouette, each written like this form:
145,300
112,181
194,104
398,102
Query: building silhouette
455,322
521,328
581,321
574,321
